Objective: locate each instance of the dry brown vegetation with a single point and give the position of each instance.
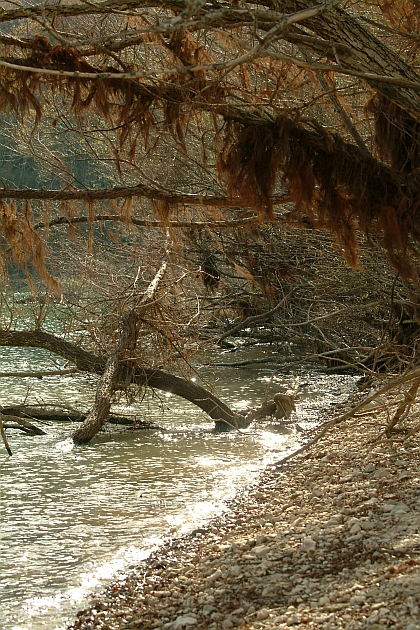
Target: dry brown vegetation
(256, 149)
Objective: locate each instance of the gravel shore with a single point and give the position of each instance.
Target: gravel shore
(328, 539)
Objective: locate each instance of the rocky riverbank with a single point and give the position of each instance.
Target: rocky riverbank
(329, 539)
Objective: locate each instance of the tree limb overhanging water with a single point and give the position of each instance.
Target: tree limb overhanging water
(138, 375)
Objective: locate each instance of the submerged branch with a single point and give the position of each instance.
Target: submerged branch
(39, 374)
(17, 422)
(4, 437)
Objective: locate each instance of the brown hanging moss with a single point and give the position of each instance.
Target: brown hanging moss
(26, 246)
(250, 161)
(162, 210)
(339, 186)
(210, 273)
(190, 88)
(397, 134)
(125, 103)
(126, 210)
(403, 14)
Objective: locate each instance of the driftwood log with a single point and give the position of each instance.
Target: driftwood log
(19, 417)
(280, 407)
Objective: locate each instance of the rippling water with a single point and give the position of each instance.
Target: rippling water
(73, 517)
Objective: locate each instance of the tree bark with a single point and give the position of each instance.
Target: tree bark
(10, 420)
(347, 42)
(118, 366)
(4, 437)
(225, 418)
(89, 362)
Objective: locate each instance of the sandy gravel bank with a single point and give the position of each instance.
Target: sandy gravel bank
(330, 539)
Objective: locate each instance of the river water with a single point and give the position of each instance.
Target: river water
(72, 518)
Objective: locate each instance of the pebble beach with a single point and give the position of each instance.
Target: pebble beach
(328, 539)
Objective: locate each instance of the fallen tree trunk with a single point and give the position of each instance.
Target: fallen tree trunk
(60, 415)
(225, 418)
(89, 362)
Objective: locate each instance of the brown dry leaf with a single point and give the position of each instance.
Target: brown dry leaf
(244, 272)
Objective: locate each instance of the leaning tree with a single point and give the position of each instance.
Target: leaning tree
(179, 118)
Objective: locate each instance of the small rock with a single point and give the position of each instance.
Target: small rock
(400, 508)
(308, 545)
(372, 501)
(381, 473)
(354, 537)
(355, 529)
(280, 619)
(317, 492)
(227, 623)
(357, 600)
(262, 550)
(369, 468)
(215, 576)
(293, 620)
(262, 614)
(367, 525)
(183, 621)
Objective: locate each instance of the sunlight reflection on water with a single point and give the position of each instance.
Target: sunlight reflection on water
(72, 518)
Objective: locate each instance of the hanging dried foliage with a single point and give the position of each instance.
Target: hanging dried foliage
(403, 14)
(335, 183)
(125, 210)
(397, 134)
(162, 210)
(250, 159)
(26, 246)
(126, 103)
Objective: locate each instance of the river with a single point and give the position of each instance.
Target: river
(73, 517)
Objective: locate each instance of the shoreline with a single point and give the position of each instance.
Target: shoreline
(328, 539)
